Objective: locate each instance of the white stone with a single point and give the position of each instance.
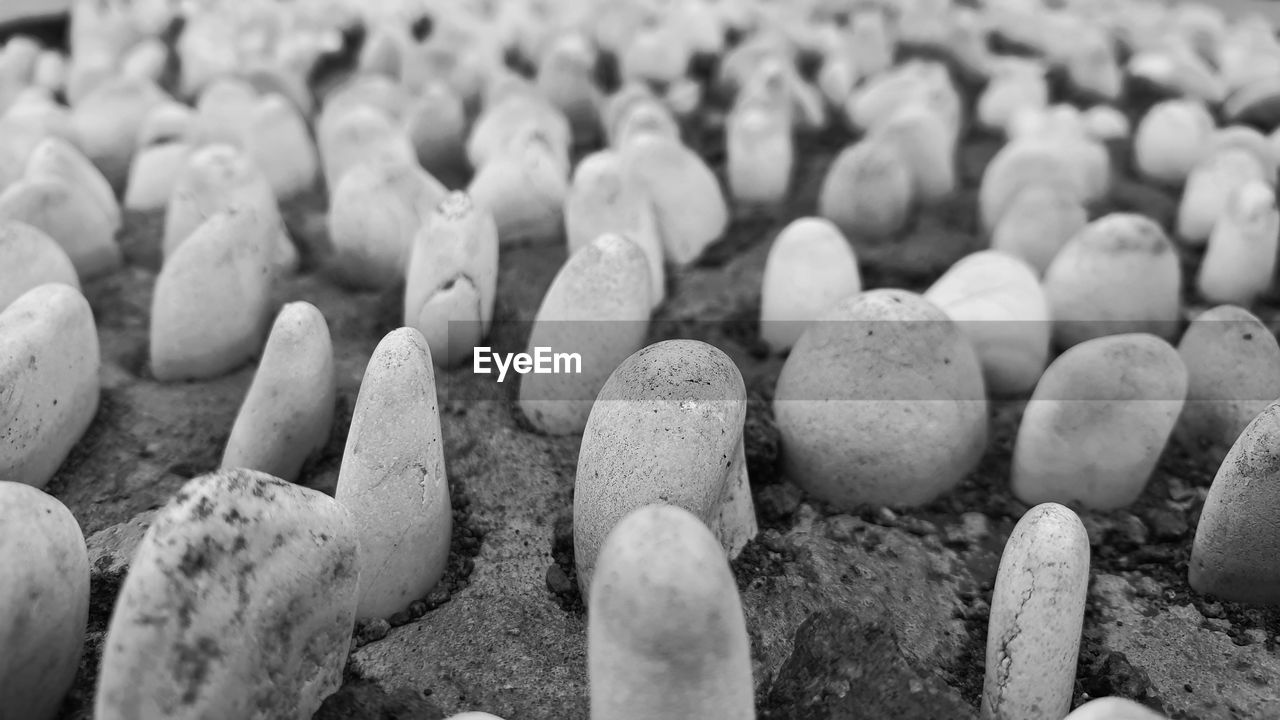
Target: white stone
(811, 266)
(690, 204)
(30, 258)
(1241, 257)
(69, 215)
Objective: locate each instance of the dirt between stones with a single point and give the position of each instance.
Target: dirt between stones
(872, 613)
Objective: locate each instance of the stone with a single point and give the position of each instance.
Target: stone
(234, 557)
(277, 139)
(524, 189)
(566, 78)
(1241, 256)
(1016, 166)
(287, 414)
(375, 91)
(881, 402)
(451, 281)
(69, 215)
(30, 258)
(374, 214)
(392, 478)
(1036, 224)
(146, 60)
(760, 155)
(505, 125)
(998, 303)
(868, 190)
(1015, 83)
(153, 174)
(628, 99)
(1171, 139)
(212, 301)
(1092, 67)
(50, 71)
(690, 204)
(44, 589)
(107, 122)
(1114, 708)
(655, 437)
(596, 308)
(604, 197)
(1037, 615)
(666, 636)
(436, 123)
(57, 159)
(1119, 274)
(927, 145)
(1209, 189)
(655, 53)
(1233, 371)
(360, 134)
(1250, 140)
(810, 268)
(916, 81)
(1117, 396)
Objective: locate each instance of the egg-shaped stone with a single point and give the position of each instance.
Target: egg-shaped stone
(811, 266)
(1037, 223)
(760, 155)
(1209, 189)
(357, 135)
(690, 204)
(436, 123)
(1016, 166)
(30, 258)
(107, 122)
(1170, 140)
(525, 192)
(277, 139)
(1241, 256)
(69, 214)
(868, 190)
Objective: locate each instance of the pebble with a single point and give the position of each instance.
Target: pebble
(597, 307)
(436, 124)
(392, 478)
(881, 402)
(1037, 614)
(1119, 274)
(1236, 553)
(1091, 64)
(1209, 190)
(690, 206)
(1098, 421)
(49, 362)
(69, 215)
(370, 90)
(374, 214)
(1241, 256)
(154, 173)
(1015, 167)
(44, 590)
(1171, 139)
(760, 153)
(57, 159)
(235, 557)
(666, 635)
(636, 100)
(30, 258)
(1233, 369)
(1015, 83)
(524, 188)
(212, 302)
(667, 427)
(502, 128)
(868, 190)
(452, 279)
(356, 135)
(1114, 708)
(287, 414)
(878, 99)
(927, 144)
(277, 139)
(107, 122)
(566, 78)
(810, 267)
(1037, 223)
(998, 303)
(223, 111)
(1250, 140)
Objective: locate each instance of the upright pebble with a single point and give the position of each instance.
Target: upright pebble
(1241, 257)
(55, 158)
(524, 189)
(868, 190)
(566, 78)
(1098, 421)
(1016, 83)
(1171, 139)
(810, 267)
(153, 173)
(667, 427)
(107, 122)
(223, 111)
(1037, 222)
(927, 145)
(44, 590)
(436, 123)
(504, 124)
(234, 557)
(361, 134)
(392, 478)
(691, 208)
(30, 258)
(1037, 616)
(287, 414)
(1017, 165)
(760, 154)
(68, 214)
(598, 308)
(277, 139)
(1114, 708)
(881, 402)
(1209, 189)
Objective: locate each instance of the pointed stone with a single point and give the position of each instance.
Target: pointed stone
(107, 122)
(1171, 139)
(451, 281)
(436, 123)
(211, 305)
(49, 363)
(927, 146)
(881, 402)
(690, 205)
(55, 158)
(358, 135)
(1241, 258)
(30, 258)
(524, 189)
(1119, 396)
(44, 588)
(1209, 189)
(504, 125)
(392, 479)
(1092, 67)
(288, 412)
(69, 215)
(810, 268)
(666, 636)
(655, 437)
(277, 139)
(153, 174)
(868, 190)
(168, 122)
(598, 308)
(234, 557)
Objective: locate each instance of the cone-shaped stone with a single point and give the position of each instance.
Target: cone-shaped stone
(1097, 422)
(760, 155)
(235, 557)
(358, 135)
(211, 305)
(868, 190)
(392, 479)
(277, 139)
(597, 307)
(690, 205)
(30, 258)
(55, 158)
(881, 402)
(1036, 224)
(374, 213)
(288, 412)
(1017, 83)
(666, 635)
(153, 174)
(436, 123)
(1016, 166)
(810, 268)
(1236, 554)
(1037, 614)
(1119, 274)
(666, 428)
(107, 123)
(69, 215)
(44, 589)
(451, 281)
(927, 145)
(1209, 189)
(1241, 257)
(525, 190)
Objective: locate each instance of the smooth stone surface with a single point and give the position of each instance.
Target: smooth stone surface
(760, 155)
(868, 190)
(655, 437)
(360, 134)
(881, 402)
(436, 123)
(44, 589)
(287, 414)
(107, 122)
(55, 158)
(1236, 554)
(810, 267)
(1233, 370)
(49, 362)
(1119, 274)
(1114, 708)
(153, 174)
(1037, 223)
(927, 146)
(524, 189)
(1037, 614)
(1016, 166)
(1016, 83)
(497, 132)
(69, 215)
(690, 205)
(1098, 421)
(1209, 189)
(30, 258)
(235, 558)
(277, 139)
(1241, 257)
(211, 305)
(666, 635)
(597, 307)
(392, 479)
